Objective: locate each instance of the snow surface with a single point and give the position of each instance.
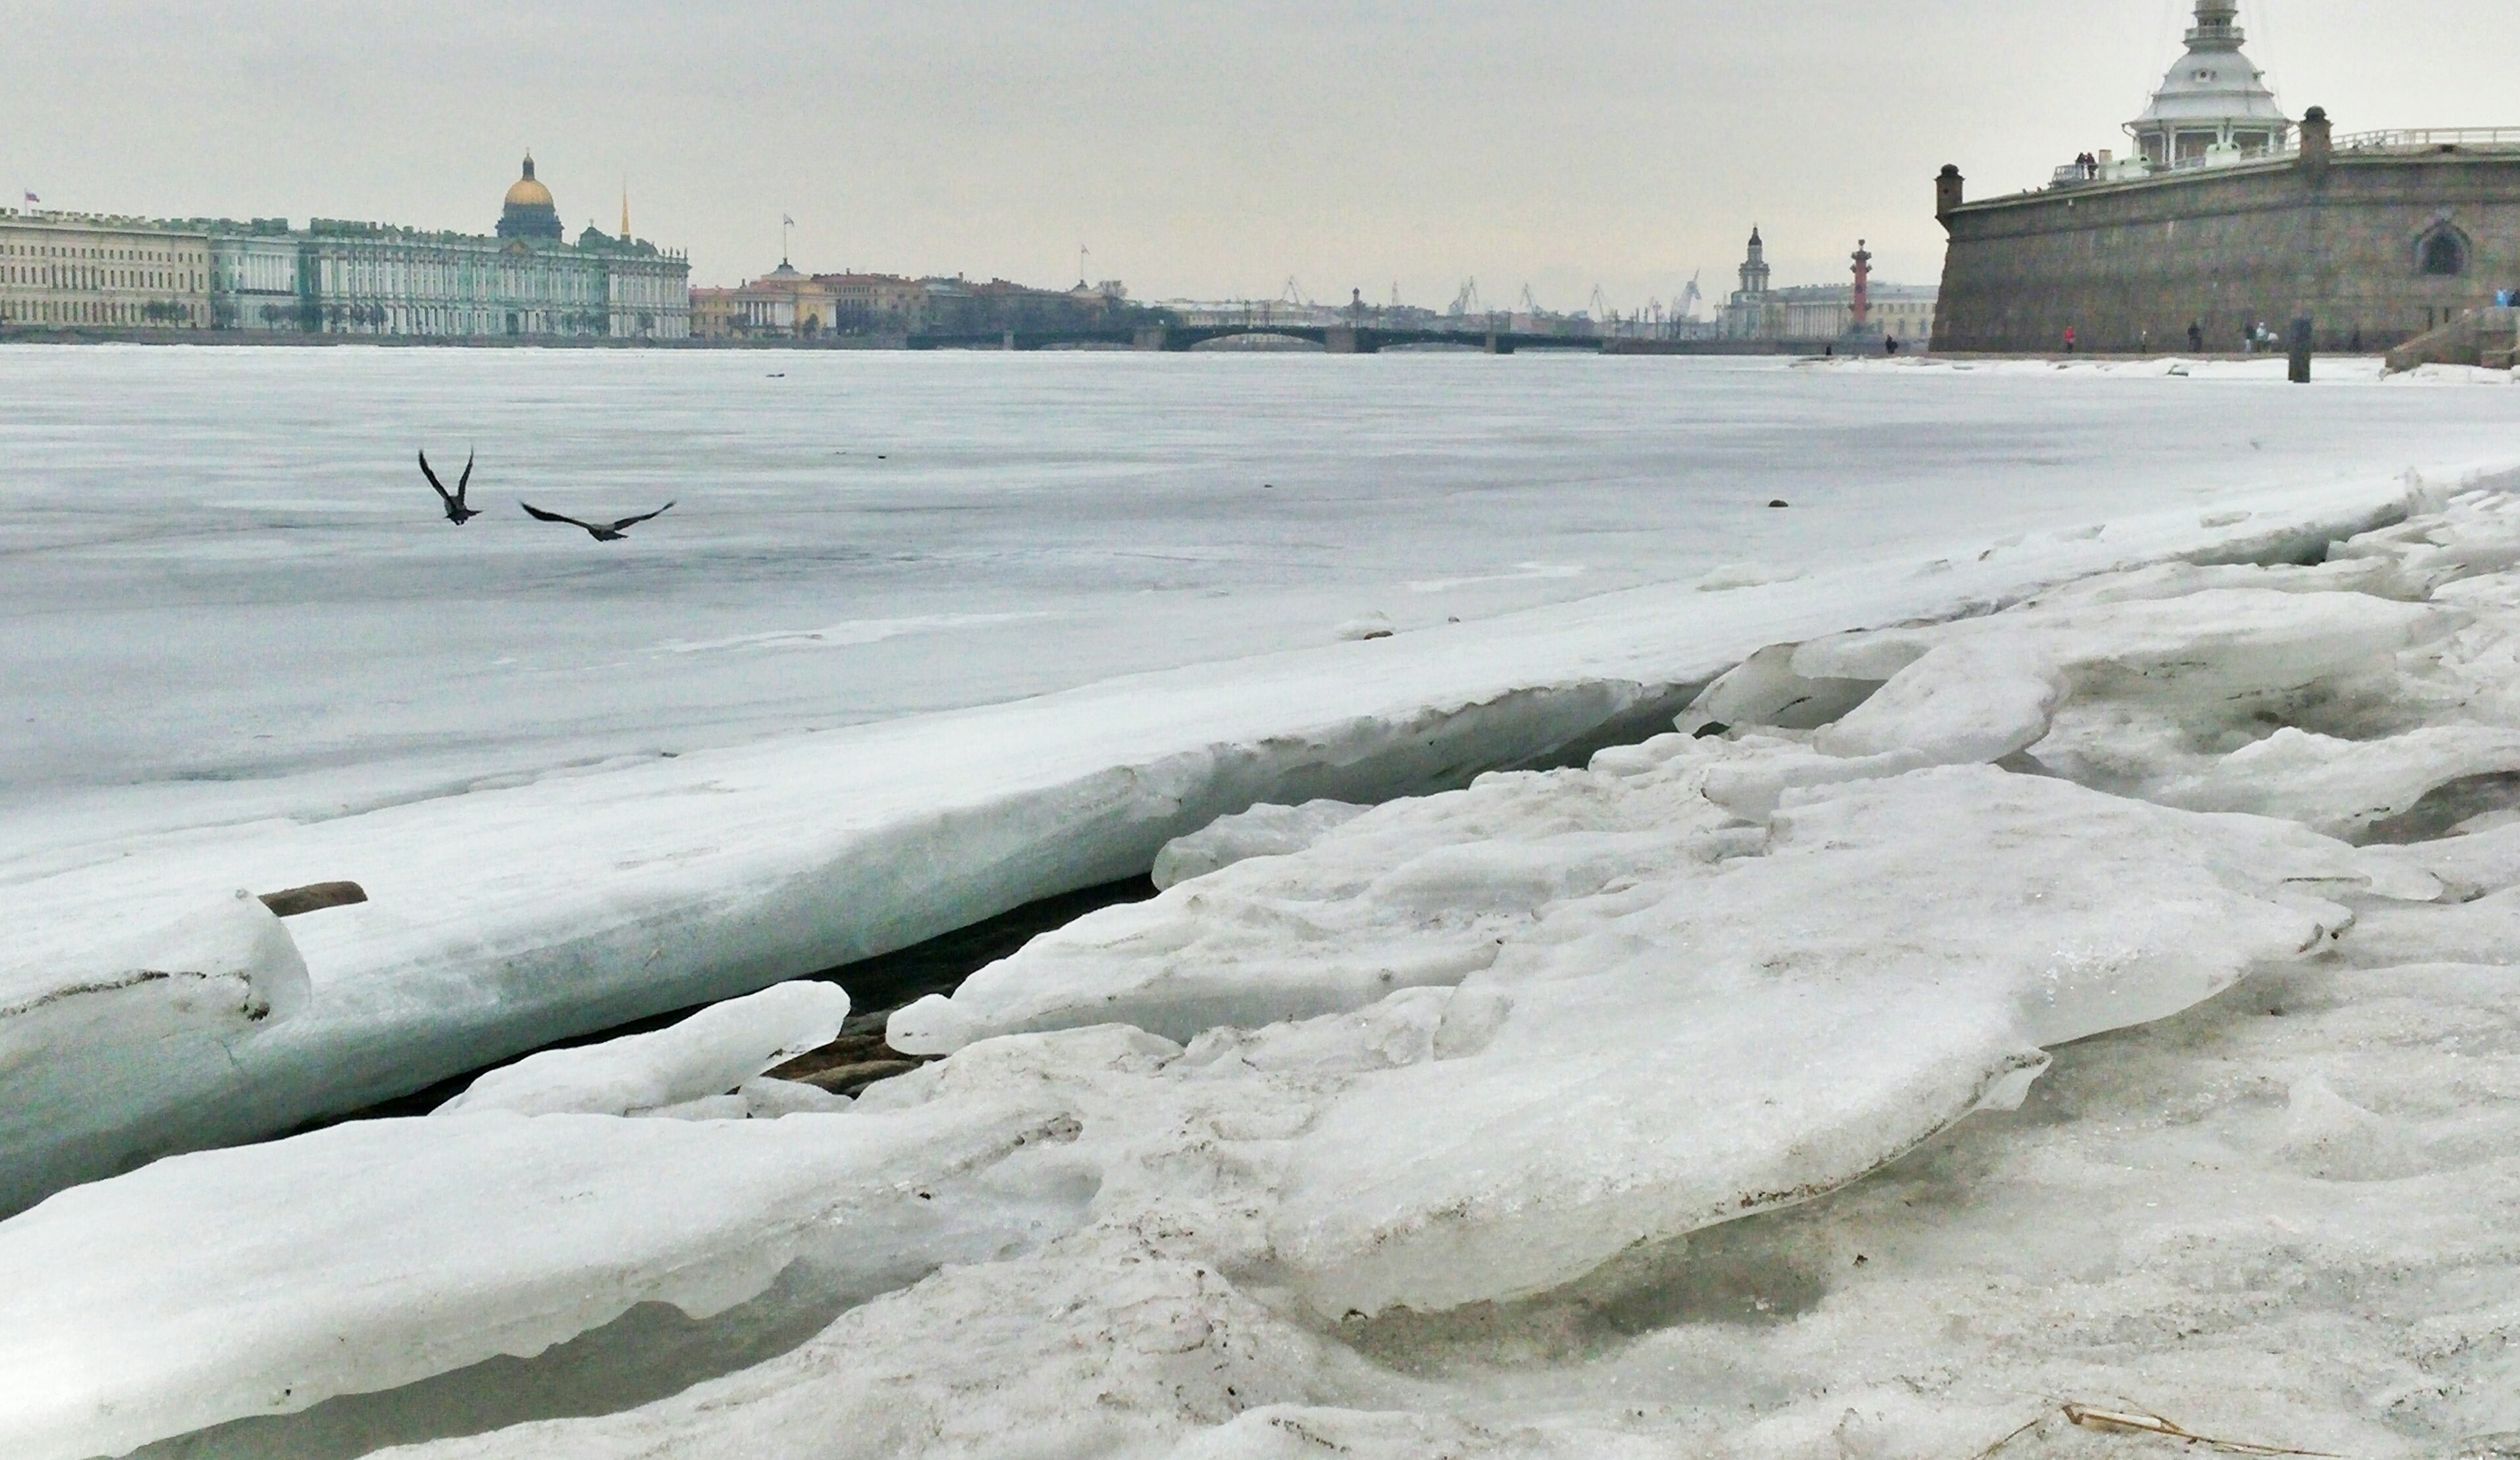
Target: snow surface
(586, 785)
(1813, 1088)
(1565, 1114)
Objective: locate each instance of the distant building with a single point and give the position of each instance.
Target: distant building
(788, 303)
(873, 304)
(339, 278)
(1819, 314)
(254, 278)
(784, 303)
(716, 313)
(71, 272)
(1745, 313)
(525, 282)
(958, 307)
(2230, 215)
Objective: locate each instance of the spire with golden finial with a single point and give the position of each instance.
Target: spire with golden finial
(625, 210)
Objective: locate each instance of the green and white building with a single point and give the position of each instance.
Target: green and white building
(524, 281)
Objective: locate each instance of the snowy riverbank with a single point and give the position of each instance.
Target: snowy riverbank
(2073, 971)
(2110, 1002)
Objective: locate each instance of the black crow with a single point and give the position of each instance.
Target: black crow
(456, 511)
(611, 532)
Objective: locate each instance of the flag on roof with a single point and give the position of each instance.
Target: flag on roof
(785, 219)
(31, 197)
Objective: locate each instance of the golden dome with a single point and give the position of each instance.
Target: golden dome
(525, 192)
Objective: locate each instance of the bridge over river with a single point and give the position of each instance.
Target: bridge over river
(1338, 339)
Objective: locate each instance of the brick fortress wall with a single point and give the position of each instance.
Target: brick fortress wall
(2344, 238)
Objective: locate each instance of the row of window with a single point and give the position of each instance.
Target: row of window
(86, 277)
(447, 323)
(123, 255)
(446, 281)
(95, 312)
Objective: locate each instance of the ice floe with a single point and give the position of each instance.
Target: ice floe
(1260, 831)
(136, 1019)
(701, 1058)
(178, 1296)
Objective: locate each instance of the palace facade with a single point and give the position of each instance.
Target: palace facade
(73, 273)
(522, 281)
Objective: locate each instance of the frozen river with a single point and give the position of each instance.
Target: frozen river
(928, 638)
(2076, 970)
(222, 566)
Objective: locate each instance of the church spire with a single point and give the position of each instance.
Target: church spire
(625, 210)
(1754, 269)
(2217, 27)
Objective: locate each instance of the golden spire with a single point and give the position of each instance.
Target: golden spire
(625, 210)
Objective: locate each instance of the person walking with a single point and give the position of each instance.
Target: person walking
(2196, 337)
(2069, 340)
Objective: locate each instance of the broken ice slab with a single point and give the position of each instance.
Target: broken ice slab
(156, 1016)
(265, 1279)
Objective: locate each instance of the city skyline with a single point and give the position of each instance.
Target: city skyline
(1197, 154)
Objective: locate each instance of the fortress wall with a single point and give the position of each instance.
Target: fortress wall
(2129, 265)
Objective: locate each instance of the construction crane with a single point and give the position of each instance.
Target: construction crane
(1466, 302)
(1689, 298)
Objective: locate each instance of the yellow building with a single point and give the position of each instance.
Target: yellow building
(787, 303)
(873, 304)
(70, 271)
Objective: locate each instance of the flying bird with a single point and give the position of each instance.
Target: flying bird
(456, 511)
(611, 532)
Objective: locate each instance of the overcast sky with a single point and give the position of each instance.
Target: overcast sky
(1198, 149)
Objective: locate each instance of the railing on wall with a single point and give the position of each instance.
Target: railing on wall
(2209, 160)
(2429, 138)
(2402, 140)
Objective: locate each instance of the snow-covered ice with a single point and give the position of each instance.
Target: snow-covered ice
(2071, 973)
(1260, 831)
(175, 1298)
(703, 1057)
(140, 1017)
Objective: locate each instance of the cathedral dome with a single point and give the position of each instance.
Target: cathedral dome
(528, 212)
(525, 192)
